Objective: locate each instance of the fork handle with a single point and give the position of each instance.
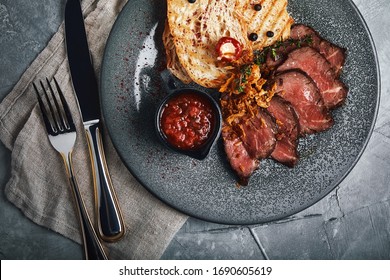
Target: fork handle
(93, 248)
(109, 217)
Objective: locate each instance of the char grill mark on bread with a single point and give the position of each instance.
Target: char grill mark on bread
(287, 121)
(307, 59)
(273, 17)
(298, 89)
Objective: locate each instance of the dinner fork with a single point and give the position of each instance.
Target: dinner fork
(62, 136)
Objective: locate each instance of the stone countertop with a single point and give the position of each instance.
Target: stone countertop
(352, 222)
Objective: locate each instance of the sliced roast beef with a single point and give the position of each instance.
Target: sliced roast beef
(242, 164)
(275, 57)
(303, 36)
(334, 54)
(307, 59)
(298, 89)
(257, 134)
(284, 114)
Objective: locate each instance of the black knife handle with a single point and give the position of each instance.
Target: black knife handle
(109, 216)
(93, 249)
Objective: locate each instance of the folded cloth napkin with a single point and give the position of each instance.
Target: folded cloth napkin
(38, 184)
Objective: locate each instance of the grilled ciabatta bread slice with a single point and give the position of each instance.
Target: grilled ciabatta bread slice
(196, 28)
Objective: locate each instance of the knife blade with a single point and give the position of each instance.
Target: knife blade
(109, 216)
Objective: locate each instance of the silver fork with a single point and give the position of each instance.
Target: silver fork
(62, 136)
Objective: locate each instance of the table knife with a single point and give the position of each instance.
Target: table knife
(109, 217)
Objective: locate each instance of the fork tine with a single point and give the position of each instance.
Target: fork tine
(50, 126)
(61, 102)
(53, 113)
(68, 116)
(55, 110)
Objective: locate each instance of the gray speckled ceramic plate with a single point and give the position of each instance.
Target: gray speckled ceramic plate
(131, 88)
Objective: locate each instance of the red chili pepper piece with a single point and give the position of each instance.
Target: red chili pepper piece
(228, 49)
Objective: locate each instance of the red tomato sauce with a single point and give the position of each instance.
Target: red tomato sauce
(187, 120)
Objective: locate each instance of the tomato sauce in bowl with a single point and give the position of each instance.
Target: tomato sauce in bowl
(189, 122)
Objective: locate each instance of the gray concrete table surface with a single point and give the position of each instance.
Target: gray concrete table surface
(352, 222)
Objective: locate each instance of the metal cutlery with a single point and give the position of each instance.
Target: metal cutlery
(109, 218)
(61, 132)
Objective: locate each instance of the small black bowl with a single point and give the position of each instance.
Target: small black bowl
(202, 151)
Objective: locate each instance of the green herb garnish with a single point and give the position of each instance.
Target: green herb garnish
(246, 71)
(260, 57)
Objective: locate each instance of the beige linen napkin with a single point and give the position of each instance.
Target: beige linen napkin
(38, 185)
